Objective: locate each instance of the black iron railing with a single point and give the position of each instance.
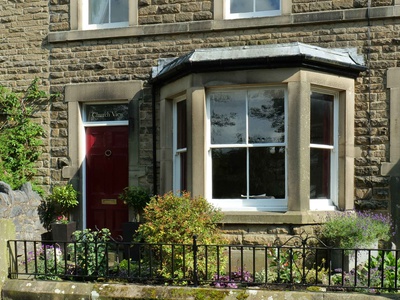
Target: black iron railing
(300, 262)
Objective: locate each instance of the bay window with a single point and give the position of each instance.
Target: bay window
(253, 137)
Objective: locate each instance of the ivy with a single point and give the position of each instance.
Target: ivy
(20, 136)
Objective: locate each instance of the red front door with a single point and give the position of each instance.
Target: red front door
(106, 177)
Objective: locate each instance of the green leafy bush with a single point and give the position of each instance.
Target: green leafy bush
(20, 136)
(172, 219)
(89, 252)
(356, 229)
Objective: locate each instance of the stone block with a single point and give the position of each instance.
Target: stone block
(258, 239)
(7, 229)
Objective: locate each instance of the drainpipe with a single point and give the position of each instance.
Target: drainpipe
(154, 131)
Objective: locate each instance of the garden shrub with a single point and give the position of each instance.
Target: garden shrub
(175, 219)
(350, 230)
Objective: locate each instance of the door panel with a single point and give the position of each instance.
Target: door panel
(106, 177)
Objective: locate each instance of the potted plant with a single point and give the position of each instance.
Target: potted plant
(354, 230)
(136, 198)
(46, 212)
(64, 199)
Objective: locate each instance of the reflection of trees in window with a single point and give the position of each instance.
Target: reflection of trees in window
(228, 117)
(223, 120)
(272, 111)
(266, 116)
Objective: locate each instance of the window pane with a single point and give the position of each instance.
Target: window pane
(266, 116)
(228, 117)
(263, 5)
(241, 6)
(98, 11)
(321, 119)
(267, 172)
(181, 124)
(119, 11)
(320, 173)
(183, 171)
(228, 173)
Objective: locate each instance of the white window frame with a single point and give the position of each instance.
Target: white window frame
(254, 14)
(249, 204)
(332, 202)
(83, 21)
(177, 152)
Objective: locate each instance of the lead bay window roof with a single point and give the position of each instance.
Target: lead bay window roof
(338, 62)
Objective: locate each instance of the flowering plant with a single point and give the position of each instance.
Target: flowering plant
(46, 262)
(62, 220)
(351, 230)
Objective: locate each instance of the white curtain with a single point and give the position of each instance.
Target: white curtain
(98, 11)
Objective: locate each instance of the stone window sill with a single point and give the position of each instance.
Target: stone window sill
(274, 218)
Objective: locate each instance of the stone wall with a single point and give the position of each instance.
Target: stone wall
(21, 208)
(152, 12)
(301, 6)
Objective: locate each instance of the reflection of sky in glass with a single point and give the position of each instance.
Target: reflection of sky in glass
(266, 116)
(228, 117)
(245, 6)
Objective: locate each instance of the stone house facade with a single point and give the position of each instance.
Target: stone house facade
(171, 124)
